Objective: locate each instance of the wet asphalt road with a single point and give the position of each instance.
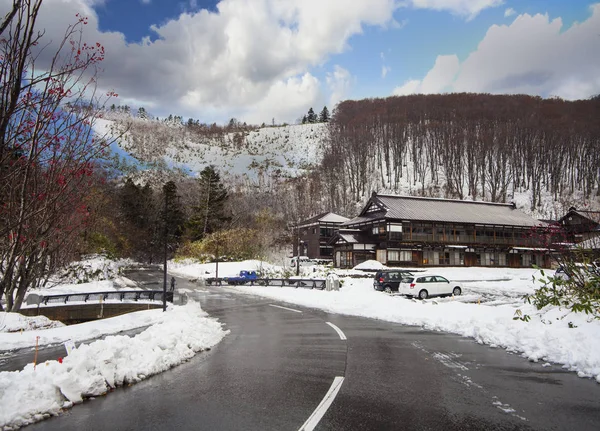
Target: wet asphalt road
(276, 366)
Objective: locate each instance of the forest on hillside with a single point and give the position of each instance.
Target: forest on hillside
(464, 146)
(543, 153)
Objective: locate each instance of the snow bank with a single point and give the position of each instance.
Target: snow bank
(32, 394)
(15, 322)
(369, 264)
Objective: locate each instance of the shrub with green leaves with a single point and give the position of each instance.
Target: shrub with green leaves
(578, 290)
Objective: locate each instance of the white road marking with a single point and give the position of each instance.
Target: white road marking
(285, 308)
(321, 409)
(338, 330)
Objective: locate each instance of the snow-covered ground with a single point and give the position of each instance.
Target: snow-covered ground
(485, 311)
(93, 369)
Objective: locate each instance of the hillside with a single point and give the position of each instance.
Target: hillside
(541, 154)
(248, 154)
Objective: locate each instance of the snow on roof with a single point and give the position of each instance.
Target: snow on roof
(327, 217)
(333, 218)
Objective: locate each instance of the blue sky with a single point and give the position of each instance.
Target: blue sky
(261, 59)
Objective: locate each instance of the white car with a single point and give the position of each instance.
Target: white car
(425, 285)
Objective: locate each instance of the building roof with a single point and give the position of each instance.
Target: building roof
(592, 216)
(411, 208)
(349, 236)
(326, 217)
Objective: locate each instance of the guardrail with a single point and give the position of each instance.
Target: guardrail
(307, 283)
(122, 295)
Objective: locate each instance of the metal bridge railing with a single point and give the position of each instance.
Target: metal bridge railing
(307, 283)
(123, 295)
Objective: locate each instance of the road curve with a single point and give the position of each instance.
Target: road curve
(282, 362)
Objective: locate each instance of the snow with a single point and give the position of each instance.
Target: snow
(333, 218)
(485, 311)
(369, 265)
(90, 370)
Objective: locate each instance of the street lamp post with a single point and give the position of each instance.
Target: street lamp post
(300, 246)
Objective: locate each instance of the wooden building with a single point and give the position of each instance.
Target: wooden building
(314, 234)
(415, 231)
(580, 225)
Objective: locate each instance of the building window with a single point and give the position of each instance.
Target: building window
(445, 258)
(326, 251)
(431, 257)
(502, 259)
(346, 259)
(393, 255)
(326, 232)
(406, 256)
(457, 258)
(395, 232)
(314, 230)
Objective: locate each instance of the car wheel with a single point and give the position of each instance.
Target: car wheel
(423, 294)
(456, 291)
(387, 289)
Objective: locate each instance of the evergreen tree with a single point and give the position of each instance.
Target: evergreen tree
(311, 117)
(142, 113)
(324, 115)
(172, 212)
(210, 214)
(304, 120)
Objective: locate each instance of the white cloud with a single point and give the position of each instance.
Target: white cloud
(437, 80)
(533, 55)
(340, 82)
(285, 100)
(466, 8)
(145, 1)
(385, 70)
(509, 12)
(233, 59)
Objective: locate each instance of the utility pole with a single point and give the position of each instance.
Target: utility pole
(166, 235)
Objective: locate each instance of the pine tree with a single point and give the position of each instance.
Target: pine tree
(172, 212)
(324, 115)
(311, 117)
(210, 214)
(142, 113)
(304, 120)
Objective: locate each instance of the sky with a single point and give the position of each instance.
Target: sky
(92, 369)
(265, 60)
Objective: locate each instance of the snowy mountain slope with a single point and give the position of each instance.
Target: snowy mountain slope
(284, 151)
(262, 156)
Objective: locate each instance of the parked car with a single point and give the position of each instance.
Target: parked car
(580, 270)
(243, 277)
(424, 286)
(388, 280)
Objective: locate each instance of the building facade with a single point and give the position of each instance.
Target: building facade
(580, 225)
(415, 231)
(314, 234)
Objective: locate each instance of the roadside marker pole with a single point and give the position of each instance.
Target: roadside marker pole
(36, 352)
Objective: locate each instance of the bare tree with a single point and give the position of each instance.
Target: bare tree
(48, 148)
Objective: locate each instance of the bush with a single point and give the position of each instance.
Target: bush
(578, 292)
(228, 245)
